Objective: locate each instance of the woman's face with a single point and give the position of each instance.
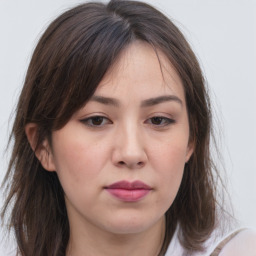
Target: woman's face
(120, 158)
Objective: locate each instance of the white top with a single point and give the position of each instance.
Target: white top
(243, 244)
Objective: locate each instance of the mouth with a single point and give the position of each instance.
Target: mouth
(128, 191)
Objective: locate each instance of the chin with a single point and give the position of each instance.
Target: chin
(131, 224)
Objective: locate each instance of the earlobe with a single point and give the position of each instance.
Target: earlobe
(43, 151)
(190, 150)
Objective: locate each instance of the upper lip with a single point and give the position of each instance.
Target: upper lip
(129, 185)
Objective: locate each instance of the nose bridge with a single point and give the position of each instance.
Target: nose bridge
(130, 148)
(131, 137)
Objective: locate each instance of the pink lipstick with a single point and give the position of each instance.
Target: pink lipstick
(128, 191)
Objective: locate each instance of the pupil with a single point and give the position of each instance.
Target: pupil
(156, 120)
(97, 120)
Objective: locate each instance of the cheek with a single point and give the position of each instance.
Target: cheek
(171, 166)
(78, 161)
(169, 157)
(168, 162)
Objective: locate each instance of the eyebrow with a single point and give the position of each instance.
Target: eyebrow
(145, 103)
(161, 99)
(106, 100)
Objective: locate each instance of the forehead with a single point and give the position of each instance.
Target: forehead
(141, 72)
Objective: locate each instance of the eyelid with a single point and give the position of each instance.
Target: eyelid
(164, 122)
(167, 121)
(86, 121)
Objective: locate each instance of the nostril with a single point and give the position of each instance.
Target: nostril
(139, 164)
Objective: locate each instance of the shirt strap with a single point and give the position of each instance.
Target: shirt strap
(220, 246)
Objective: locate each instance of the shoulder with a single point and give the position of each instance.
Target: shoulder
(244, 243)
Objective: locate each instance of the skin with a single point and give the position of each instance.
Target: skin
(128, 143)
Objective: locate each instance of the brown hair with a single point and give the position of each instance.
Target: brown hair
(70, 60)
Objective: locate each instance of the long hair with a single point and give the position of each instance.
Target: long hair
(69, 61)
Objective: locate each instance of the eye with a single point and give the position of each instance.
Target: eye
(96, 121)
(160, 121)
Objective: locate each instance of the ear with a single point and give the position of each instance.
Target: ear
(190, 150)
(43, 151)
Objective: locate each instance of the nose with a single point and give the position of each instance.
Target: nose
(129, 150)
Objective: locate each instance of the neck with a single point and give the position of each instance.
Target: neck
(93, 242)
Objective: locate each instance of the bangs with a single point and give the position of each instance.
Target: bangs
(75, 53)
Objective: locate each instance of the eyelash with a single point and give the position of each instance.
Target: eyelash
(167, 121)
(164, 121)
(89, 121)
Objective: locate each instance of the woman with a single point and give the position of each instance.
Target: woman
(111, 141)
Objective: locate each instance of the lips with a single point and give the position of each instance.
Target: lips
(128, 191)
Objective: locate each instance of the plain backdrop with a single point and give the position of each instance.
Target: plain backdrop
(223, 35)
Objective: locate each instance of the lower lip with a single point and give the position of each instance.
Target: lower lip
(132, 195)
